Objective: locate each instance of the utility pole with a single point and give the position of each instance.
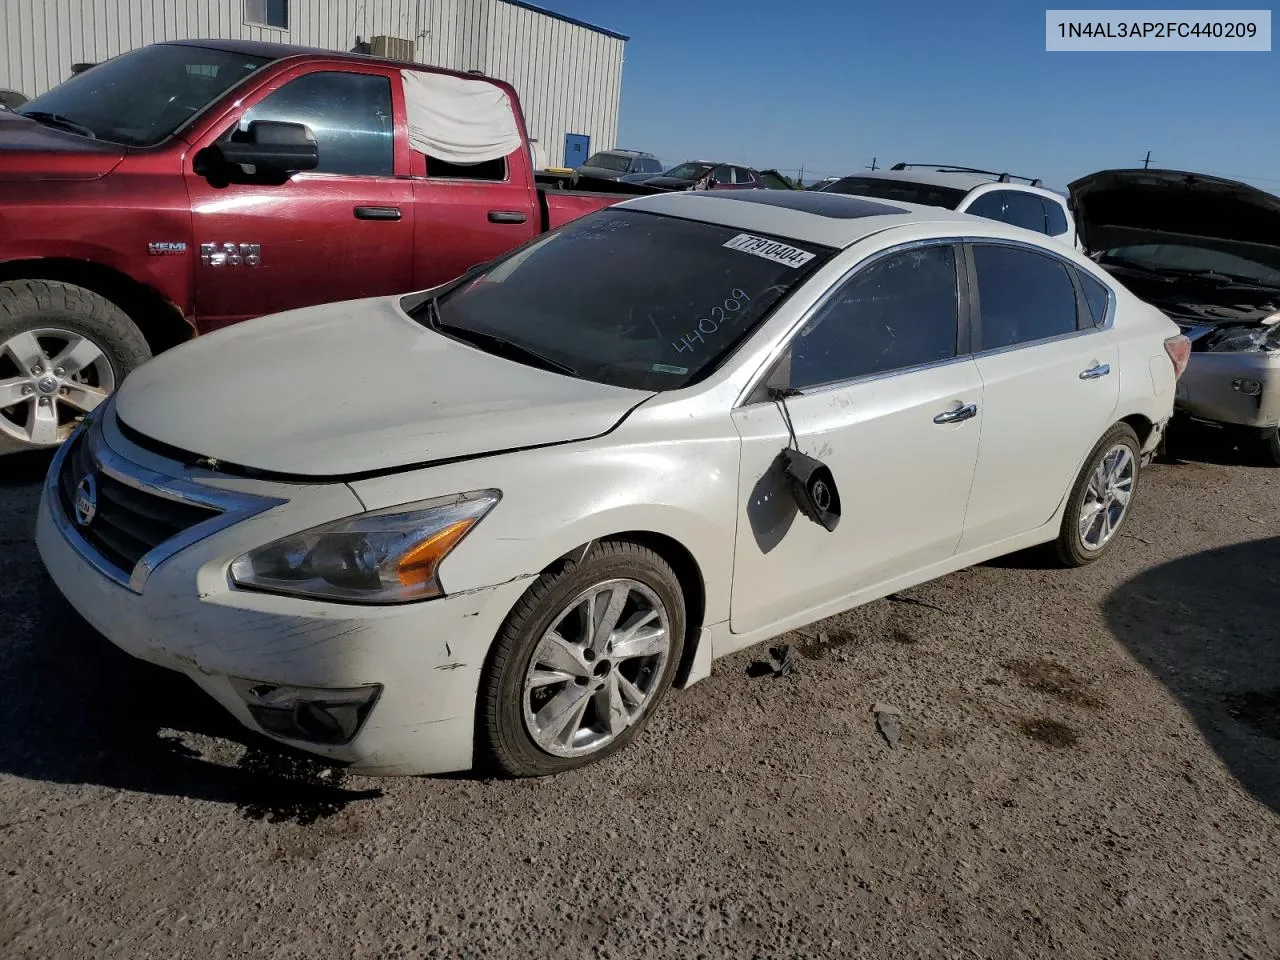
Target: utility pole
(1147, 162)
(800, 179)
(873, 164)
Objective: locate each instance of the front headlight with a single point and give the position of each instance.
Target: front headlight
(387, 556)
(1259, 338)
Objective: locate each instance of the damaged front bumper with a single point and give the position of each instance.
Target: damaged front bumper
(1234, 389)
(387, 690)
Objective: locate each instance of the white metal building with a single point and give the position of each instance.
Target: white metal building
(568, 73)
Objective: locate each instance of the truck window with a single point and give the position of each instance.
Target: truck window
(142, 97)
(348, 113)
(487, 170)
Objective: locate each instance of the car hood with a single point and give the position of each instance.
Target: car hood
(669, 183)
(32, 151)
(350, 389)
(1115, 208)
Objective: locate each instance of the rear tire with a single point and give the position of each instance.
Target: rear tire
(63, 349)
(1101, 499)
(543, 667)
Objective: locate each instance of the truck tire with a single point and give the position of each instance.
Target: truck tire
(63, 349)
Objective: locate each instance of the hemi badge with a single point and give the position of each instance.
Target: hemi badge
(166, 249)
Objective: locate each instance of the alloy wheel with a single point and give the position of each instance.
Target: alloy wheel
(596, 670)
(1106, 497)
(48, 378)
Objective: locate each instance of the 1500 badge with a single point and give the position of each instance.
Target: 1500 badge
(231, 254)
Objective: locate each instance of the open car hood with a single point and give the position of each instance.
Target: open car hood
(350, 389)
(1116, 208)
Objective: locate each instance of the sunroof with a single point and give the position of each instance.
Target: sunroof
(835, 205)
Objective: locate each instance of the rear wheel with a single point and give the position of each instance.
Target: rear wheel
(582, 661)
(63, 349)
(1100, 498)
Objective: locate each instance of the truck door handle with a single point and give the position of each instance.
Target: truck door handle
(507, 216)
(966, 412)
(1096, 371)
(377, 213)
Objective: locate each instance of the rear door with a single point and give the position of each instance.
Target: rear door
(340, 232)
(890, 402)
(1050, 387)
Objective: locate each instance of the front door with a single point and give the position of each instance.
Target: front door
(1051, 386)
(340, 232)
(577, 147)
(889, 401)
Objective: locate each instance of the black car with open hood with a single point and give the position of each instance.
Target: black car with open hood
(1206, 251)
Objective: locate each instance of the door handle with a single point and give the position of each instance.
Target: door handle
(377, 213)
(507, 216)
(966, 412)
(1096, 371)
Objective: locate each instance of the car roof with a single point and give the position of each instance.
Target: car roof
(282, 51)
(830, 219)
(624, 151)
(959, 180)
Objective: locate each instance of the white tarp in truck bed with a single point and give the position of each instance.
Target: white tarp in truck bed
(458, 120)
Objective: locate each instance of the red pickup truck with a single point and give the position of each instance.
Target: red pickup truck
(185, 186)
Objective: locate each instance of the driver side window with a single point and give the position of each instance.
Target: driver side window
(900, 311)
(349, 114)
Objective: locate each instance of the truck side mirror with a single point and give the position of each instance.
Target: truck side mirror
(272, 146)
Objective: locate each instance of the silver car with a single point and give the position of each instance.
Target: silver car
(1205, 251)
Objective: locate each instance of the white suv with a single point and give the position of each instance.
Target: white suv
(983, 193)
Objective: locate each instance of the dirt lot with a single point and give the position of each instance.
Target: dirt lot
(1089, 767)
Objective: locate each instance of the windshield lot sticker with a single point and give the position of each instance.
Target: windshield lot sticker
(721, 315)
(770, 249)
(668, 368)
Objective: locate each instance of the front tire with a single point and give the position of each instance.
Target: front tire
(63, 349)
(1267, 451)
(1100, 499)
(582, 662)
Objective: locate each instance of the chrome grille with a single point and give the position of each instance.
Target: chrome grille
(129, 522)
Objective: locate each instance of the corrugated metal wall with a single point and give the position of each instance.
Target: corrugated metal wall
(569, 77)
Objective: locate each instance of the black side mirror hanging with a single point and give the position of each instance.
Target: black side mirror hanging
(809, 481)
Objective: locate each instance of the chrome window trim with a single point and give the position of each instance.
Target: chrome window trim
(232, 507)
(1109, 315)
(784, 342)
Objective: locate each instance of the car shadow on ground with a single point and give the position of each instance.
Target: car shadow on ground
(1206, 627)
(77, 710)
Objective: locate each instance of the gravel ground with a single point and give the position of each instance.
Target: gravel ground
(1089, 766)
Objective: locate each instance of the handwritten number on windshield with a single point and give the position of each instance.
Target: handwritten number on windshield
(719, 316)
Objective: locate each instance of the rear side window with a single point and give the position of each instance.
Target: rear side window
(1023, 296)
(722, 175)
(1055, 218)
(1095, 296)
(883, 188)
(349, 114)
(643, 165)
(742, 176)
(1024, 210)
(899, 311)
(609, 161)
(989, 205)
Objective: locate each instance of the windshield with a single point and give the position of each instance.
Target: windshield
(625, 298)
(1181, 258)
(609, 161)
(902, 190)
(141, 97)
(689, 171)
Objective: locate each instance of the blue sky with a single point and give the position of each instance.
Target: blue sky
(830, 85)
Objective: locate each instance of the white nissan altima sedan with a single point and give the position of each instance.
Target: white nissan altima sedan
(493, 523)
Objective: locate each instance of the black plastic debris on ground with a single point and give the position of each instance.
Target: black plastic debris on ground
(781, 663)
(887, 722)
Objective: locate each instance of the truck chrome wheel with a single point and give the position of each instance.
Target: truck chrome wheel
(48, 378)
(1106, 497)
(596, 670)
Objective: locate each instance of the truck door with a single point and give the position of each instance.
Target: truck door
(340, 232)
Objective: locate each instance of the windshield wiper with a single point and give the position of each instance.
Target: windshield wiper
(58, 120)
(495, 343)
(1171, 274)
